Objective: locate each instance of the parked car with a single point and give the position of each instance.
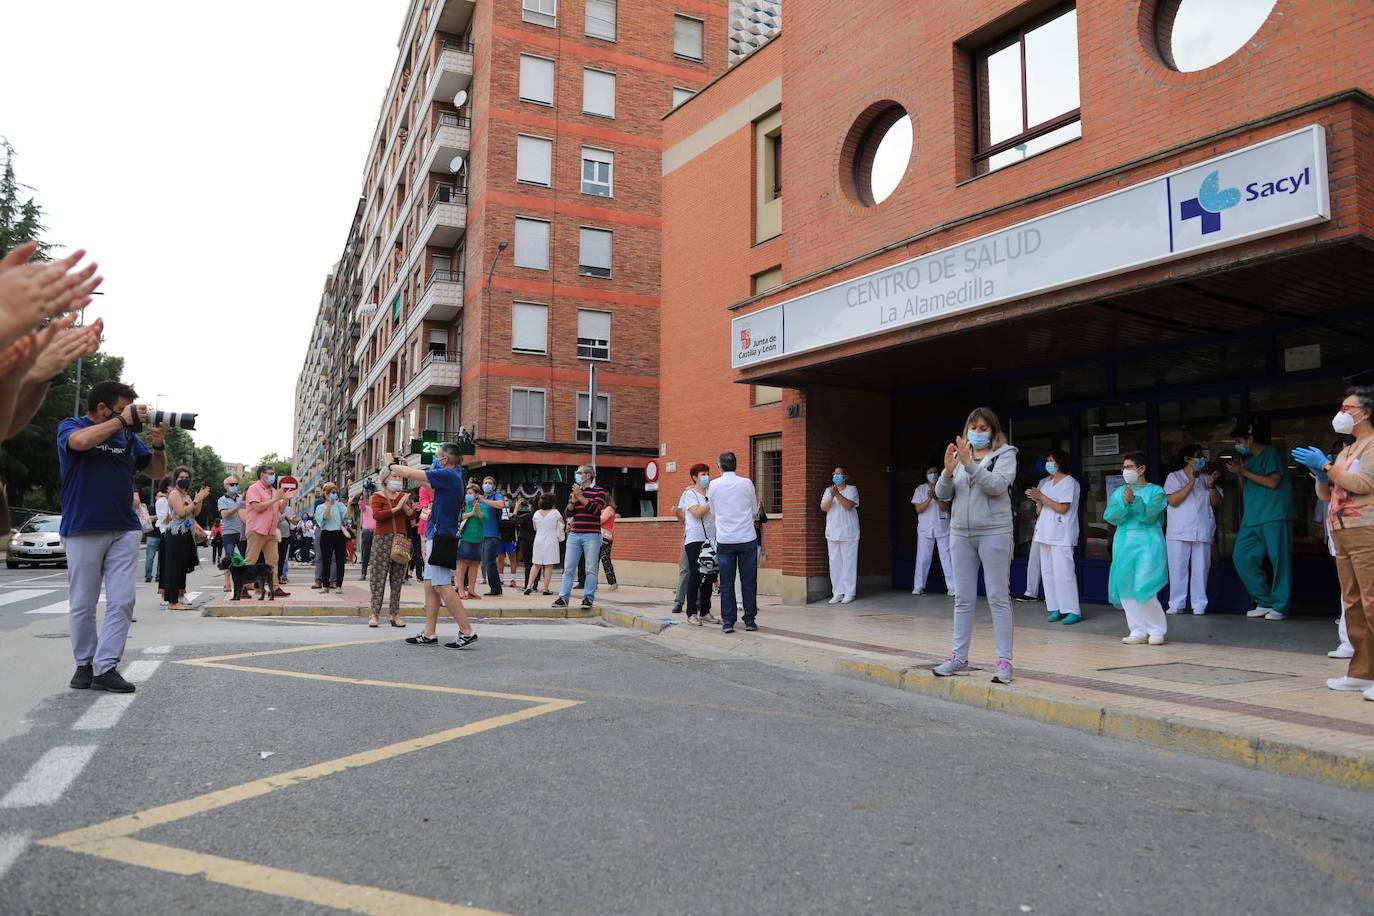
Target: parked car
(37, 542)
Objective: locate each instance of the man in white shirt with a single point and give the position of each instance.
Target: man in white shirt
(734, 505)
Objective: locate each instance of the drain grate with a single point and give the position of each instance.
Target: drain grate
(1202, 675)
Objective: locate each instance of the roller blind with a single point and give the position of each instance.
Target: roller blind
(601, 19)
(598, 92)
(595, 250)
(530, 327)
(687, 37)
(536, 79)
(532, 243)
(534, 159)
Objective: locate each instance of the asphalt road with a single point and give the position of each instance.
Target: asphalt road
(676, 784)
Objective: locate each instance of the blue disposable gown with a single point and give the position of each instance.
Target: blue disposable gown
(1140, 566)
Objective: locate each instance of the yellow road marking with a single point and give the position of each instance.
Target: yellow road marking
(111, 839)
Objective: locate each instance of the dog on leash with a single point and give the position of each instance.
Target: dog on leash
(246, 577)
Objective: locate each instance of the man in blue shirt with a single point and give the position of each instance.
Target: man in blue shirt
(491, 534)
(445, 478)
(97, 455)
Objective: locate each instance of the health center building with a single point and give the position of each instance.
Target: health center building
(1123, 226)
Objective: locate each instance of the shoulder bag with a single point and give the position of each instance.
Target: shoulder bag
(400, 549)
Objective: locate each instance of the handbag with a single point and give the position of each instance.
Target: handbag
(444, 552)
(706, 561)
(145, 520)
(400, 550)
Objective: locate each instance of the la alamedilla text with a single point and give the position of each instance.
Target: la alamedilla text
(973, 290)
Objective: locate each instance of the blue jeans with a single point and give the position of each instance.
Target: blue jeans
(745, 557)
(150, 549)
(232, 541)
(580, 545)
(490, 548)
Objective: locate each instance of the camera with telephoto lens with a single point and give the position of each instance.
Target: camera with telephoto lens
(170, 418)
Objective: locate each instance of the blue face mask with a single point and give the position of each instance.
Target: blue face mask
(1051, 467)
(469, 500)
(704, 479)
(837, 479)
(488, 488)
(1242, 448)
(577, 479)
(331, 496)
(1199, 464)
(271, 479)
(979, 440)
(931, 478)
(233, 489)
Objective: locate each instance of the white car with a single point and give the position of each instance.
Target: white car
(37, 542)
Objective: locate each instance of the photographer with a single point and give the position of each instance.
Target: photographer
(98, 455)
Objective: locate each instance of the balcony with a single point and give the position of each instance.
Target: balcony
(443, 295)
(452, 137)
(448, 218)
(452, 72)
(439, 374)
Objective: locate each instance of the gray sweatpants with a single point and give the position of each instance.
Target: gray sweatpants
(91, 557)
(993, 553)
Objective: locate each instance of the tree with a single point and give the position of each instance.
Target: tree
(280, 466)
(20, 220)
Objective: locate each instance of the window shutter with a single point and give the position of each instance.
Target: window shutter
(687, 37)
(536, 79)
(601, 19)
(532, 243)
(595, 249)
(593, 325)
(530, 327)
(598, 92)
(534, 159)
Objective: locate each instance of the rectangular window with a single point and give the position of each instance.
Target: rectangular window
(531, 243)
(529, 328)
(601, 19)
(593, 334)
(434, 418)
(1026, 86)
(527, 413)
(766, 394)
(681, 95)
(598, 92)
(773, 150)
(438, 341)
(603, 418)
(687, 34)
(534, 160)
(536, 79)
(766, 468)
(594, 253)
(598, 172)
(541, 12)
(768, 279)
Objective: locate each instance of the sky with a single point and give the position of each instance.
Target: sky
(209, 157)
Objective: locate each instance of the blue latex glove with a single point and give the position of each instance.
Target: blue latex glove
(1313, 459)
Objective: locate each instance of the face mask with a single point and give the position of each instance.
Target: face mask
(1051, 467)
(271, 479)
(704, 479)
(184, 483)
(233, 488)
(1130, 475)
(487, 488)
(577, 479)
(394, 486)
(931, 478)
(331, 496)
(979, 440)
(471, 500)
(837, 479)
(1242, 448)
(1343, 423)
(1199, 464)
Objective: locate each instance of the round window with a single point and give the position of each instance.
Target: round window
(877, 153)
(1197, 34)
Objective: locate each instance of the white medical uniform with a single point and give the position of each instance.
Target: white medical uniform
(842, 539)
(932, 532)
(1189, 530)
(1056, 535)
(1033, 562)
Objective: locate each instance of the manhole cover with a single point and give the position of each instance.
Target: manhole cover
(1203, 675)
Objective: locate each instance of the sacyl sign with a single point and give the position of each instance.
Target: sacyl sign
(1261, 190)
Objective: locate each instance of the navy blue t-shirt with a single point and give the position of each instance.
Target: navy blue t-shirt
(97, 484)
(447, 484)
(491, 525)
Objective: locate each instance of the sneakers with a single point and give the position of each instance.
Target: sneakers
(710, 618)
(1135, 639)
(588, 603)
(1173, 611)
(1156, 640)
(1369, 694)
(1260, 612)
(1199, 613)
(82, 679)
(1275, 615)
(1338, 652)
(950, 666)
(1349, 683)
(751, 626)
(728, 628)
(112, 681)
(1025, 598)
(560, 601)
(694, 620)
(847, 599)
(677, 608)
(1054, 617)
(462, 641)
(918, 591)
(1071, 619)
(951, 594)
(1003, 673)
(835, 599)
(420, 639)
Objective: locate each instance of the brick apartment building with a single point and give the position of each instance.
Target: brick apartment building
(1121, 225)
(509, 233)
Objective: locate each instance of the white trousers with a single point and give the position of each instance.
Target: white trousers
(1033, 571)
(926, 545)
(1061, 582)
(1344, 633)
(1145, 619)
(1189, 563)
(844, 566)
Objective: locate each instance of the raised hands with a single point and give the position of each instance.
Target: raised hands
(31, 292)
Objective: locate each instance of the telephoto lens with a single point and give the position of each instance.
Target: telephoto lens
(183, 420)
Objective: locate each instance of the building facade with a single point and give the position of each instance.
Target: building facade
(509, 234)
(1123, 226)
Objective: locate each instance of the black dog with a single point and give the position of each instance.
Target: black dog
(246, 577)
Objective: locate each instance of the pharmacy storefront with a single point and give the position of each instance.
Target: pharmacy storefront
(1145, 319)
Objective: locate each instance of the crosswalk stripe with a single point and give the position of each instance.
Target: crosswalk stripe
(12, 846)
(61, 607)
(189, 597)
(47, 779)
(104, 712)
(157, 650)
(141, 670)
(12, 597)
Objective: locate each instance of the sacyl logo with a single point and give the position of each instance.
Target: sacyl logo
(744, 339)
(1210, 201)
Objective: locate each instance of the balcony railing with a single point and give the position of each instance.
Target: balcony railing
(444, 275)
(439, 356)
(448, 194)
(452, 44)
(451, 119)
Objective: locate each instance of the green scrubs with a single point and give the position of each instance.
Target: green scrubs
(1140, 563)
(1266, 531)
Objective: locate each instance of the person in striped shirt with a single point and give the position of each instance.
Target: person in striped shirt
(584, 534)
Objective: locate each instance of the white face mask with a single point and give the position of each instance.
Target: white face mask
(1130, 475)
(394, 486)
(1343, 423)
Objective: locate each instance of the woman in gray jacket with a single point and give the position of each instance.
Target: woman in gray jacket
(980, 467)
